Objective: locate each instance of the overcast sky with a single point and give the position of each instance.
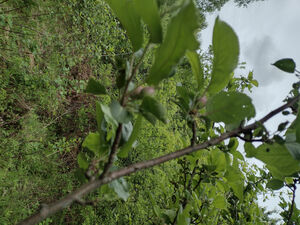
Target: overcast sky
(267, 31)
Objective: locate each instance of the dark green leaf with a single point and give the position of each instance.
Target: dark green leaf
(120, 186)
(179, 38)
(148, 116)
(230, 107)
(131, 21)
(197, 69)
(226, 55)
(279, 139)
(282, 126)
(82, 161)
(120, 114)
(287, 65)
(148, 11)
(123, 153)
(94, 87)
(275, 184)
(152, 106)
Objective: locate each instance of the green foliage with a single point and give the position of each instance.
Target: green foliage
(230, 107)
(277, 158)
(130, 19)
(287, 65)
(94, 87)
(226, 54)
(149, 13)
(196, 68)
(179, 38)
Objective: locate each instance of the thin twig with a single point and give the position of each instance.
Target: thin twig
(134, 71)
(93, 185)
(294, 188)
(250, 140)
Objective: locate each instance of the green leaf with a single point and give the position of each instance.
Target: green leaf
(236, 181)
(93, 143)
(230, 107)
(130, 19)
(275, 184)
(120, 114)
(82, 161)
(121, 188)
(94, 87)
(287, 65)
(179, 38)
(292, 145)
(148, 11)
(108, 116)
(226, 55)
(99, 118)
(218, 159)
(219, 202)
(123, 153)
(154, 108)
(183, 217)
(277, 159)
(197, 69)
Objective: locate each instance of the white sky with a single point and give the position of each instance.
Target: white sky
(267, 31)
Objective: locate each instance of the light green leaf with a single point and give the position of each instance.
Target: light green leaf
(93, 143)
(287, 65)
(121, 188)
(154, 108)
(226, 56)
(277, 159)
(148, 11)
(123, 153)
(197, 69)
(249, 149)
(120, 114)
(94, 87)
(129, 18)
(218, 159)
(275, 184)
(230, 107)
(219, 202)
(236, 181)
(179, 38)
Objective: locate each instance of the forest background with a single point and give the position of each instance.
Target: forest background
(49, 51)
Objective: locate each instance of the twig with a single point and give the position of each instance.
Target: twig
(93, 185)
(249, 140)
(294, 187)
(134, 71)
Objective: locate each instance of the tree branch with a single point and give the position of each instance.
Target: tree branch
(48, 210)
